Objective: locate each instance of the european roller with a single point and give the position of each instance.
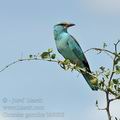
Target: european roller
(69, 48)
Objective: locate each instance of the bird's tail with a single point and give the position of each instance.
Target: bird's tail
(91, 80)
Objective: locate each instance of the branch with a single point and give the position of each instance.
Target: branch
(50, 60)
(99, 107)
(22, 60)
(116, 44)
(100, 50)
(49, 56)
(114, 60)
(108, 52)
(116, 98)
(108, 106)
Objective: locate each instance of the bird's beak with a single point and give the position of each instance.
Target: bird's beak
(70, 25)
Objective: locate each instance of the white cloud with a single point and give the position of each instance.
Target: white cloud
(103, 6)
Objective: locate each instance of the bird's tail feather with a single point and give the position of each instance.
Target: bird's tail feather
(91, 80)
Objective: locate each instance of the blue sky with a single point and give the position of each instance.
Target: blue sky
(26, 27)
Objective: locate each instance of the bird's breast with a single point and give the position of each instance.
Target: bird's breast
(67, 52)
(62, 42)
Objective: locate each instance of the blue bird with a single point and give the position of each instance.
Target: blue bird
(69, 48)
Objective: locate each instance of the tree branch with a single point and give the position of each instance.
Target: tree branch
(22, 60)
(108, 105)
(106, 88)
(116, 98)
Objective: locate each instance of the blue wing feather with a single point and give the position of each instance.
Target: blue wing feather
(73, 44)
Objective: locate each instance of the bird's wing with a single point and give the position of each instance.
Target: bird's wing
(73, 44)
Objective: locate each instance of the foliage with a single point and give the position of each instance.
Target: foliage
(108, 78)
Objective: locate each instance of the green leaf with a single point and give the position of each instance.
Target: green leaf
(118, 89)
(115, 81)
(107, 73)
(67, 61)
(53, 56)
(104, 45)
(96, 102)
(111, 84)
(117, 60)
(117, 69)
(115, 86)
(30, 56)
(50, 50)
(102, 68)
(102, 84)
(45, 55)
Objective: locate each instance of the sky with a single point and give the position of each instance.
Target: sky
(26, 27)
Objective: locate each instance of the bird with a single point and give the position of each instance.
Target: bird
(70, 49)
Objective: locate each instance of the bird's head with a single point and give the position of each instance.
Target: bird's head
(62, 26)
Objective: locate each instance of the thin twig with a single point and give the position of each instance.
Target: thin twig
(101, 108)
(108, 105)
(26, 59)
(116, 45)
(100, 49)
(113, 67)
(116, 98)
(114, 60)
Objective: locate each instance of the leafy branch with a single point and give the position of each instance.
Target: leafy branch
(108, 80)
(110, 84)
